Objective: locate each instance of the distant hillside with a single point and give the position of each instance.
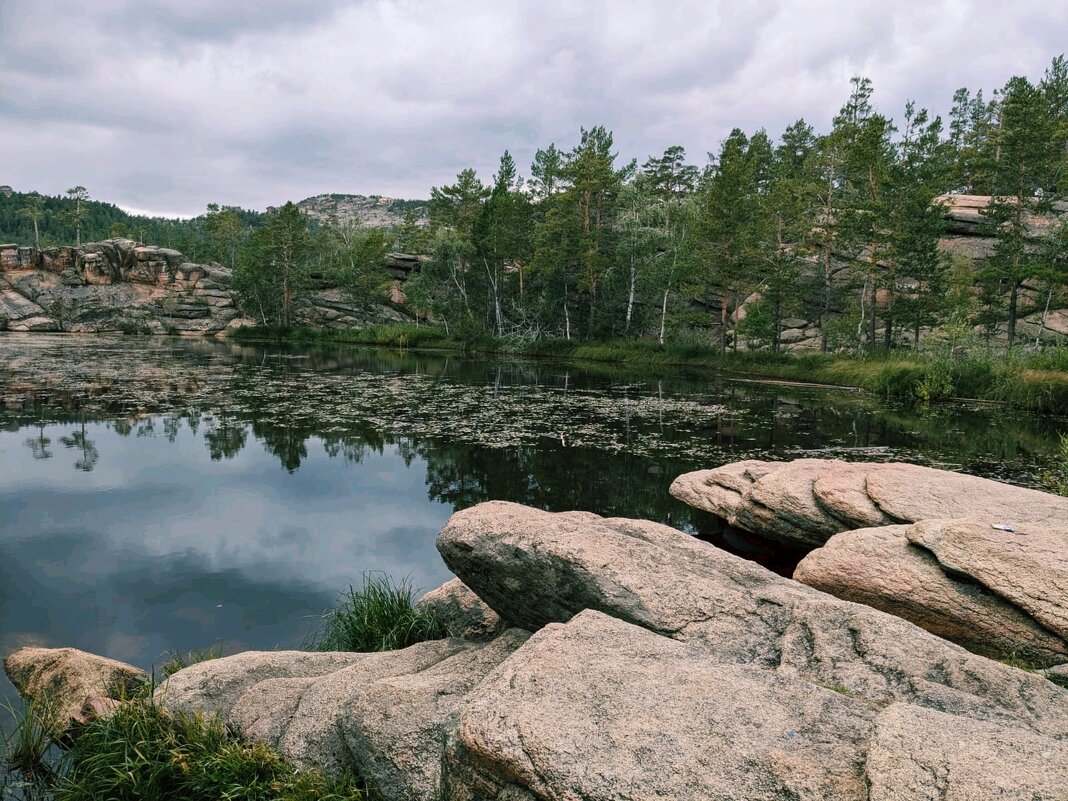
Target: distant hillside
(373, 211)
(103, 221)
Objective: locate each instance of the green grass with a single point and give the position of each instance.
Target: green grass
(142, 753)
(1037, 381)
(176, 660)
(28, 750)
(380, 616)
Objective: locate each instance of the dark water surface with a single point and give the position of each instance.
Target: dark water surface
(160, 494)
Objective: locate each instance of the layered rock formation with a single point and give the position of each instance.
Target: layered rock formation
(118, 285)
(982, 563)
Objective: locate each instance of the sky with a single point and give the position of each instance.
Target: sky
(164, 106)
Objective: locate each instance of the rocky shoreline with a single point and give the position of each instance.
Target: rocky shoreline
(120, 285)
(609, 658)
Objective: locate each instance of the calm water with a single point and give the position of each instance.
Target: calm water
(177, 494)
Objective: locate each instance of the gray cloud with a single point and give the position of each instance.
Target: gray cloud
(167, 105)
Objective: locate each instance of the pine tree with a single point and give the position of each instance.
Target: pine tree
(78, 213)
(34, 210)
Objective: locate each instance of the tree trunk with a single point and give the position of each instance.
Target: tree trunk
(1045, 313)
(723, 324)
(663, 317)
(1014, 296)
(630, 297)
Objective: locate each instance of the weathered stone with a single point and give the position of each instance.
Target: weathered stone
(600, 709)
(880, 568)
(42, 323)
(78, 686)
(118, 285)
(911, 493)
(383, 716)
(397, 728)
(809, 500)
(924, 754)
(782, 504)
(1027, 567)
(719, 491)
(463, 612)
(216, 685)
(534, 567)
(842, 491)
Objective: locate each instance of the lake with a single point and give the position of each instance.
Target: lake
(161, 494)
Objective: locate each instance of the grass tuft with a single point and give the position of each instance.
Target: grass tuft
(177, 660)
(28, 750)
(142, 753)
(380, 616)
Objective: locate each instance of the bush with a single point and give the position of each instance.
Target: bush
(378, 617)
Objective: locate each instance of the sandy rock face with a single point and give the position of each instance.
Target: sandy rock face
(83, 685)
(810, 500)
(382, 716)
(880, 567)
(461, 610)
(923, 754)
(602, 709)
(535, 567)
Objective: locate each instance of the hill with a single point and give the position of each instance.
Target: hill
(373, 211)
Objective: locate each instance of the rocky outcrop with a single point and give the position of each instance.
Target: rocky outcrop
(75, 686)
(382, 716)
(883, 568)
(535, 568)
(119, 285)
(983, 564)
(809, 500)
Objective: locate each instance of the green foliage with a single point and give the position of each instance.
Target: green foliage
(379, 616)
(142, 753)
(177, 660)
(274, 268)
(27, 750)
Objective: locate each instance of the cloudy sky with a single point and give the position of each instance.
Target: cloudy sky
(167, 105)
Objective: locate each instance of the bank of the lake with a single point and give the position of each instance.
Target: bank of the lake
(1036, 381)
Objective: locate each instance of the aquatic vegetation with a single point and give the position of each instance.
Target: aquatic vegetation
(379, 616)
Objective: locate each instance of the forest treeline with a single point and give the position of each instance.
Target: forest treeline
(839, 228)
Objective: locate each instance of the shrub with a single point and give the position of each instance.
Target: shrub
(378, 617)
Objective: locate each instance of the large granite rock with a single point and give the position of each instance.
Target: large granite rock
(918, 754)
(76, 686)
(1028, 567)
(882, 568)
(600, 709)
(534, 568)
(381, 716)
(810, 500)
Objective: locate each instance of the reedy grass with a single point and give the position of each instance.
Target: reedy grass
(379, 616)
(28, 751)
